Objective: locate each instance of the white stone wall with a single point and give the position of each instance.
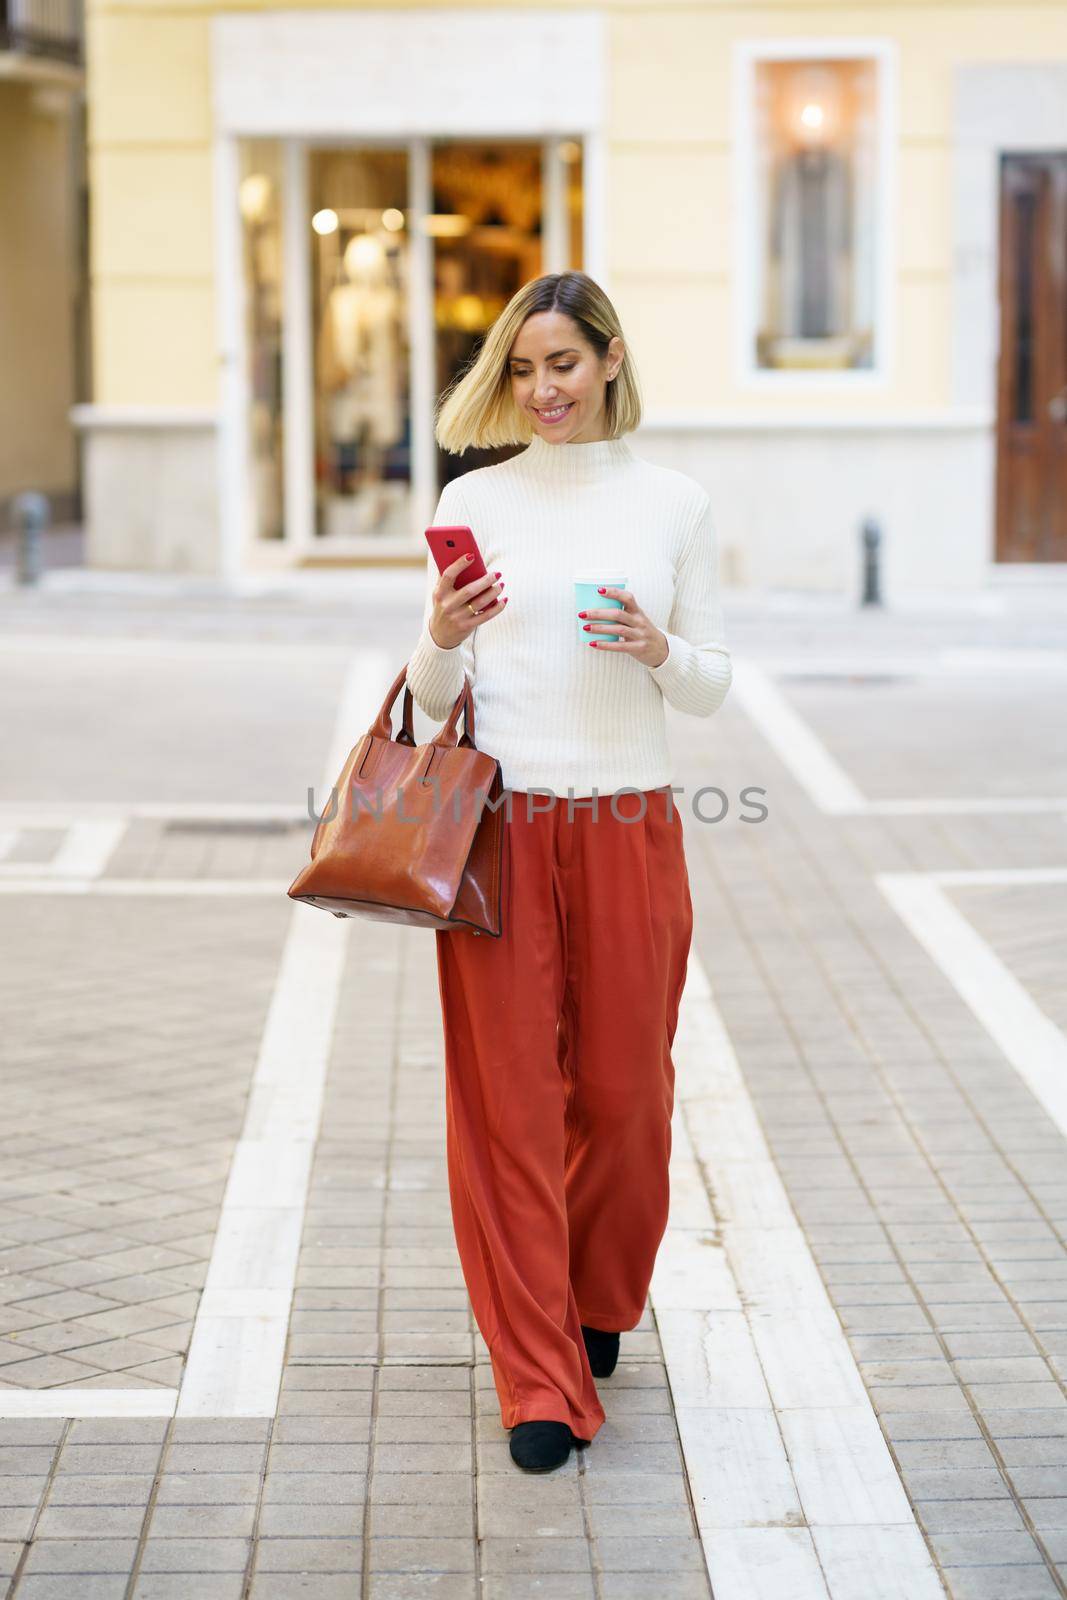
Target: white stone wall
(789, 501)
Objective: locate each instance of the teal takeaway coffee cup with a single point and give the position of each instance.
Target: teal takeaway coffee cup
(586, 598)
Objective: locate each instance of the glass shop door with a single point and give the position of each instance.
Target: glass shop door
(370, 273)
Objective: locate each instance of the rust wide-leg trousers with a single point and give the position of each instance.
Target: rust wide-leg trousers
(560, 1085)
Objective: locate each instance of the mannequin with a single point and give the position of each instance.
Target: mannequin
(811, 235)
(360, 349)
(361, 368)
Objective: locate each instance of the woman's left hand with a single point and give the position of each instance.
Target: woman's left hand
(638, 636)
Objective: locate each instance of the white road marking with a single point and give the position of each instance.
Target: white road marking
(825, 780)
(32, 883)
(87, 1402)
(60, 646)
(795, 1489)
(88, 846)
(998, 877)
(236, 1350)
(1030, 1040)
(794, 742)
(61, 814)
(237, 1346)
(84, 851)
(967, 805)
(947, 662)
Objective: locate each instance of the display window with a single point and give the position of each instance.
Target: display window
(814, 213)
(371, 273)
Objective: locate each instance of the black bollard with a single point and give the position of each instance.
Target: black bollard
(32, 512)
(872, 549)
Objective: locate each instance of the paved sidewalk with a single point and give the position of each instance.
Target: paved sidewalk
(223, 1167)
(387, 1442)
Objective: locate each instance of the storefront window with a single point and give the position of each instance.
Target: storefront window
(815, 151)
(370, 271)
(359, 288)
(260, 199)
(487, 227)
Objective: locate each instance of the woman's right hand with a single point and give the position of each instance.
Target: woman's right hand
(450, 621)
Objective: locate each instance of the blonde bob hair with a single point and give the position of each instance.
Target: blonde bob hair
(478, 410)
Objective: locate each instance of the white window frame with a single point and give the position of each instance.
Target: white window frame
(747, 52)
(392, 76)
(241, 546)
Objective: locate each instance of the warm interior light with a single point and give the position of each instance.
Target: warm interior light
(813, 102)
(325, 221)
(445, 224)
(469, 312)
(254, 196)
(393, 220)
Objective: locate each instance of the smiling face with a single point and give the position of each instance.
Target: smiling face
(558, 379)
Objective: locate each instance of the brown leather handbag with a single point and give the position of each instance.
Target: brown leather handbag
(412, 833)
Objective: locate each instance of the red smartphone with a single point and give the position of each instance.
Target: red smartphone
(448, 543)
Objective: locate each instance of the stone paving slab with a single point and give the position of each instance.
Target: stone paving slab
(929, 1183)
(387, 1442)
(937, 732)
(1027, 927)
(123, 1100)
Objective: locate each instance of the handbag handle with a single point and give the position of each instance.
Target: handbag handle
(382, 727)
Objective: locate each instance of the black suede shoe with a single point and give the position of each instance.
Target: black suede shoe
(540, 1446)
(602, 1350)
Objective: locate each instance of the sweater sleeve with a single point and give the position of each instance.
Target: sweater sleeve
(697, 672)
(435, 675)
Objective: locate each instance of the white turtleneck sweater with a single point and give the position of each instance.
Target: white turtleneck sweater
(556, 714)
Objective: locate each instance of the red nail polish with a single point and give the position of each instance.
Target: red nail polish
(591, 643)
(581, 613)
(496, 574)
(601, 591)
(585, 627)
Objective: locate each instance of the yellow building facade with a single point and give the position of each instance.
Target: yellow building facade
(827, 230)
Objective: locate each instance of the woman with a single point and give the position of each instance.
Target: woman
(558, 1034)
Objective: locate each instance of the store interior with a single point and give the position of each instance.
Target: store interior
(816, 124)
(486, 228)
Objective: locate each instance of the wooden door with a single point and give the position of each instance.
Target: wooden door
(1032, 365)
